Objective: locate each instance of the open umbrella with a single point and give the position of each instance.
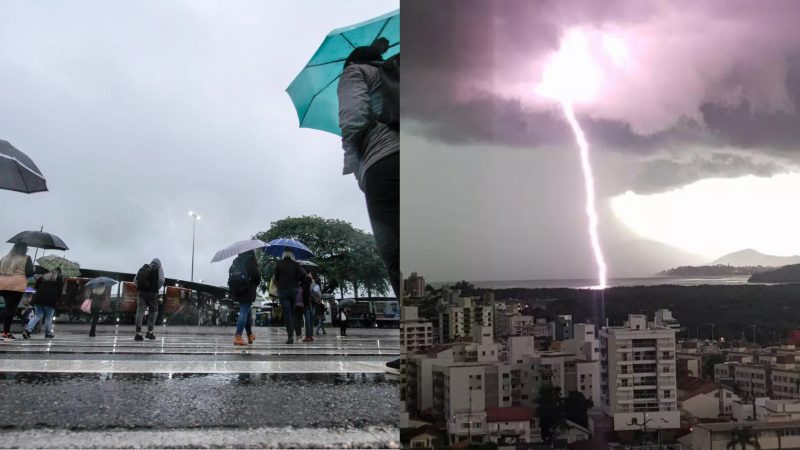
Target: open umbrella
(313, 91)
(277, 246)
(18, 172)
(68, 268)
(308, 265)
(238, 248)
(39, 239)
(100, 281)
(346, 302)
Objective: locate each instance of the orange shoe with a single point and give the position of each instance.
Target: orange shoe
(251, 338)
(237, 340)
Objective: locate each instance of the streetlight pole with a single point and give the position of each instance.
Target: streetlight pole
(195, 218)
(712, 332)
(754, 333)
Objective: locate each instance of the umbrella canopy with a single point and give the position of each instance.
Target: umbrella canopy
(68, 268)
(308, 265)
(313, 91)
(18, 172)
(277, 246)
(39, 239)
(238, 248)
(346, 302)
(100, 281)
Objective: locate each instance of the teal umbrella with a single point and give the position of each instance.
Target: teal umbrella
(313, 91)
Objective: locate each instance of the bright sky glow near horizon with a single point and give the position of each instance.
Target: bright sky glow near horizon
(713, 217)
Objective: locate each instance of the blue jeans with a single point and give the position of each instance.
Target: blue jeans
(321, 325)
(309, 315)
(245, 321)
(287, 297)
(42, 311)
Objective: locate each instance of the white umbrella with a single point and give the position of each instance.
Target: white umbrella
(238, 248)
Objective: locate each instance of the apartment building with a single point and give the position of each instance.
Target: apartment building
(770, 435)
(461, 313)
(638, 375)
(415, 335)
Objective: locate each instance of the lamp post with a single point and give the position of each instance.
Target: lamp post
(195, 218)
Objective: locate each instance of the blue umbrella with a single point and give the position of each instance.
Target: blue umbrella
(313, 91)
(277, 246)
(100, 281)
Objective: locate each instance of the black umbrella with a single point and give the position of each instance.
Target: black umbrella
(18, 172)
(39, 239)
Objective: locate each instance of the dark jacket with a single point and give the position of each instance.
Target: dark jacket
(288, 274)
(248, 262)
(305, 283)
(48, 293)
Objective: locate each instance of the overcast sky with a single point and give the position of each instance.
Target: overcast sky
(694, 134)
(138, 112)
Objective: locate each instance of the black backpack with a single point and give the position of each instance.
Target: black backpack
(238, 280)
(390, 92)
(143, 278)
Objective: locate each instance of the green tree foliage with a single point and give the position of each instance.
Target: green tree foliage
(347, 256)
(743, 437)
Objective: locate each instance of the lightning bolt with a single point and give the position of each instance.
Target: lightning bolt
(588, 181)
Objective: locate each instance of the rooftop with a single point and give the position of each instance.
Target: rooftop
(509, 414)
(728, 426)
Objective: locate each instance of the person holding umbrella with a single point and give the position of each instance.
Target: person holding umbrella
(48, 291)
(15, 269)
(96, 294)
(288, 275)
(243, 280)
(369, 115)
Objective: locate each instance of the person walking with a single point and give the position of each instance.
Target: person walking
(343, 313)
(15, 269)
(369, 117)
(319, 306)
(149, 281)
(96, 295)
(288, 275)
(243, 280)
(48, 292)
(308, 307)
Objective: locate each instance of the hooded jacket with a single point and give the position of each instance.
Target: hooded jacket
(288, 274)
(48, 293)
(248, 262)
(364, 140)
(157, 272)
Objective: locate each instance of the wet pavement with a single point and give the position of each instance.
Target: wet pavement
(76, 391)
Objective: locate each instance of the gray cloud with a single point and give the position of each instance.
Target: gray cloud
(138, 113)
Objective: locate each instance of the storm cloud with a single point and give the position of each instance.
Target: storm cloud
(719, 73)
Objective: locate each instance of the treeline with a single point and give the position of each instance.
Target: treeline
(785, 274)
(732, 309)
(712, 271)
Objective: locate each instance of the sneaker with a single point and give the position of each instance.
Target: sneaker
(49, 336)
(150, 335)
(8, 336)
(306, 339)
(138, 337)
(26, 335)
(93, 335)
(289, 341)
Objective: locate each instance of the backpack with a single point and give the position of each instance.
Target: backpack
(390, 92)
(316, 294)
(143, 281)
(238, 280)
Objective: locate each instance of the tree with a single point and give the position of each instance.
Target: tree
(347, 257)
(744, 437)
(551, 410)
(708, 365)
(576, 408)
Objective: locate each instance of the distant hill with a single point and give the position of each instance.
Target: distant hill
(719, 270)
(751, 257)
(643, 258)
(786, 274)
